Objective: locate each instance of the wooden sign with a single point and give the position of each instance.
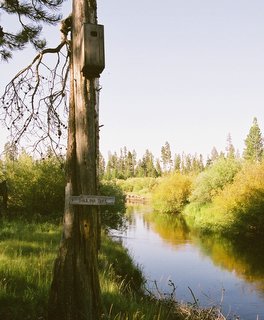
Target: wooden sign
(87, 200)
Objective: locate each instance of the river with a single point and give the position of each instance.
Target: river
(212, 271)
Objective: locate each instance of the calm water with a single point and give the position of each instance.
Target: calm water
(217, 272)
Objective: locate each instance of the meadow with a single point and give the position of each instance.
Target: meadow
(27, 252)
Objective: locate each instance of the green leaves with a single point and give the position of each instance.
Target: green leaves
(30, 16)
(172, 194)
(213, 179)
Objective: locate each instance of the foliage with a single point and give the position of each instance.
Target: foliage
(213, 179)
(126, 166)
(254, 143)
(240, 206)
(238, 209)
(171, 195)
(230, 149)
(112, 216)
(121, 166)
(146, 167)
(35, 187)
(142, 186)
(29, 17)
(166, 157)
(27, 251)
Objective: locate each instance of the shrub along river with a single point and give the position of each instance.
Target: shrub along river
(206, 270)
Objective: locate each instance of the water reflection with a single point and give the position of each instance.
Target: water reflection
(243, 258)
(167, 250)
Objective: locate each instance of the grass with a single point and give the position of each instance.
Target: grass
(27, 252)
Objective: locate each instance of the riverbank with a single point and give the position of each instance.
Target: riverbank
(27, 252)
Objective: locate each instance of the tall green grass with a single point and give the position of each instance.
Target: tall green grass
(27, 252)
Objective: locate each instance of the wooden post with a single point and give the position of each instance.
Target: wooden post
(75, 289)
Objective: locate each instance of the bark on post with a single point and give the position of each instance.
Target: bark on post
(75, 289)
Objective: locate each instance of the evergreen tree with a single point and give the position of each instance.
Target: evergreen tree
(140, 169)
(150, 167)
(129, 166)
(158, 168)
(201, 163)
(214, 154)
(230, 149)
(188, 163)
(112, 166)
(195, 165)
(10, 151)
(30, 15)
(101, 165)
(166, 157)
(177, 162)
(254, 143)
(146, 167)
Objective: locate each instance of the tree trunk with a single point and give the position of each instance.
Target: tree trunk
(75, 290)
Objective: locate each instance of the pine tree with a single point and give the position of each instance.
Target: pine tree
(166, 157)
(201, 163)
(158, 168)
(214, 154)
(177, 162)
(101, 164)
(230, 149)
(30, 15)
(254, 143)
(129, 173)
(150, 167)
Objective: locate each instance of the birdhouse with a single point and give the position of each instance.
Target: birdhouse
(93, 57)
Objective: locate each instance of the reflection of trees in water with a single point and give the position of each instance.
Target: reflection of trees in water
(172, 229)
(245, 258)
(131, 209)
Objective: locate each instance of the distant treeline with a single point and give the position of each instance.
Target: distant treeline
(125, 164)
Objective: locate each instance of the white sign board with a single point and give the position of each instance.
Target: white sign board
(88, 200)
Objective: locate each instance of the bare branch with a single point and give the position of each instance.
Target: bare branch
(34, 103)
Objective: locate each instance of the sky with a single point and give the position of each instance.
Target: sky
(184, 71)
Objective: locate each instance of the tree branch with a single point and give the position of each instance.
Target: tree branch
(34, 103)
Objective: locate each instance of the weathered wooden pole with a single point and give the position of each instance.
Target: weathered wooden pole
(75, 289)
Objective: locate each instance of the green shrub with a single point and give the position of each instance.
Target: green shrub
(238, 209)
(36, 188)
(138, 185)
(240, 206)
(33, 183)
(211, 181)
(172, 194)
(112, 216)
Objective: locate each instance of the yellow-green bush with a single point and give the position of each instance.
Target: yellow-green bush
(137, 185)
(171, 195)
(212, 180)
(241, 204)
(238, 208)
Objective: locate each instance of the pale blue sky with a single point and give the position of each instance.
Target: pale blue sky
(188, 72)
